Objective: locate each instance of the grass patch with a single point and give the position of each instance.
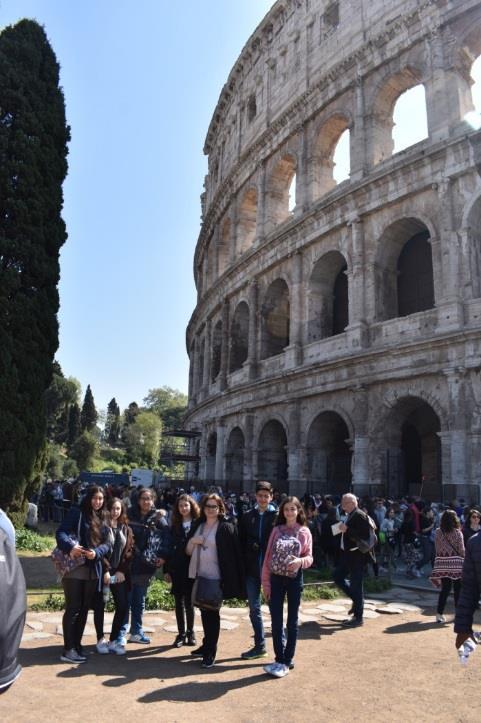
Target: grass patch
(30, 541)
(377, 584)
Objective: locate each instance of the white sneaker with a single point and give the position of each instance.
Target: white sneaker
(281, 671)
(270, 667)
(102, 647)
(71, 656)
(116, 648)
(440, 618)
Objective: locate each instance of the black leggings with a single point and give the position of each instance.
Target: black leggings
(446, 584)
(120, 595)
(211, 625)
(78, 599)
(184, 613)
(98, 607)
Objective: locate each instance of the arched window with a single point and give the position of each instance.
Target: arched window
(223, 247)
(272, 454)
(234, 457)
(275, 319)
(410, 104)
(246, 223)
(341, 158)
(239, 337)
(415, 289)
(332, 154)
(328, 299)
(280, 196)
(292, 194)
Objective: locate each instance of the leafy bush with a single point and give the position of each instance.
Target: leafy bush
(52, 603)
(159, 596)
(33, 541)
(376, 584)
(320, 592)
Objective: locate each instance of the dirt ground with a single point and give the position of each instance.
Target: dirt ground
(398, 667)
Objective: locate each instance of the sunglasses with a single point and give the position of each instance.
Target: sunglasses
(211, 507)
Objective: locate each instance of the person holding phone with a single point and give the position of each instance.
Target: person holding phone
(83, 533)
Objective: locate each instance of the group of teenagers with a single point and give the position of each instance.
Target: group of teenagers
(267, 549)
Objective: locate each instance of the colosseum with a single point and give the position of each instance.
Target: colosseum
(336, 340)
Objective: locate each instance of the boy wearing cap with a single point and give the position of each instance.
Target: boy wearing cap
(255, 527)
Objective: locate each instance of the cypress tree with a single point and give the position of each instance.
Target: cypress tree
(88, 415)
(112, 423)
(73, 429)
(33, 165)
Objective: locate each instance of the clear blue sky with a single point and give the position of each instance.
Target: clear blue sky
(141, 80)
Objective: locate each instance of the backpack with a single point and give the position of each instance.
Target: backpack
(370, 543)
(284, 549)
(13, 606)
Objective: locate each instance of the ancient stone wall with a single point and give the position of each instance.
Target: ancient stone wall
(336, 339)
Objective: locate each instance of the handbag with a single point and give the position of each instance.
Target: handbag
(206, 593)
(62, 561)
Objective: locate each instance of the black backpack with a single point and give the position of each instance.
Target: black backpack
(13, 607)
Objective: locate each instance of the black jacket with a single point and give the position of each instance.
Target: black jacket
(178, 563)
(254, 532)
(470, 586)
(229, 555)
(357, 528)
(141, 526)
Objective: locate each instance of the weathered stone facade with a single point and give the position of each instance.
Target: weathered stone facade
(340, 343)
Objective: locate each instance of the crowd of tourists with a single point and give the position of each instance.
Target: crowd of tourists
(214, 547)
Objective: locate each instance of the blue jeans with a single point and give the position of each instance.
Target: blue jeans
(284, 648)
(253, 588)
(354, 587)
(136, 606)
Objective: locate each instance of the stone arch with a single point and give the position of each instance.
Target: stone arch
(246, 221)
(216, 351)
(272, 454)
(224, 245)
(191, 368)
(328, 453)
(277, 192)
(410, 447)
(404, 270)
(234, 457)
(239, 337)
(210, 455)
(387, 93)
(200, 366)
(328, 306)
(275, 319)
(328, 137)
(469, 54)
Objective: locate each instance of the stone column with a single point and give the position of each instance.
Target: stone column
(357, 332)
(207, 356)
(448, 89)
(455, 377)
(248, 452)
(447, 284)
(360, 456)
(302, 176)
(261, 204)
(294, 443)
(357, 136)
(251, 361)
(224, 359)
(219, 453)
(296, 331)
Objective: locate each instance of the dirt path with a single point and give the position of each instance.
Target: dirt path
(398, 667)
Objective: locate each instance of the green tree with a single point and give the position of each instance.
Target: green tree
(55, 462)
(88, 415)
(33, 165)
(69, 469)
(61, 394)
(112, 423)
(169, 404)
(84, 450)
(143, 439)
(73, 426)
(129, 416)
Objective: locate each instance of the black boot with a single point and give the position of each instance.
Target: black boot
(179, 641)
(190, 638)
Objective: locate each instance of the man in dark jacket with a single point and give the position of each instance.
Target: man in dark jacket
(255, 527)
(352, 560)
(470, 591)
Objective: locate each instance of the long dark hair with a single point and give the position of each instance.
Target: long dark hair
(301, 515)
(123, 519)
(177, 517)
(95, 519)
(449, 521)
